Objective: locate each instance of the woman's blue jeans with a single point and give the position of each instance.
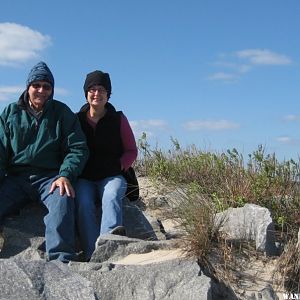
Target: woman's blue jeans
(110, 193)
(16, 191)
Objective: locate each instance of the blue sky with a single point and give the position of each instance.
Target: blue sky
(218, 74)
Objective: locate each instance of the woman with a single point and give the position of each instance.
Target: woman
(112, 150)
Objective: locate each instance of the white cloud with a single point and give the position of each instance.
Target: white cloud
(263, 57)
(210, 125)
(148, 126)
(286, 140)
(236, 67)
(61, 91)
(10, 92)
(152, 123)
(19, 43)
(243, 61)
(243, 68)
(222, 76)
(292, 118)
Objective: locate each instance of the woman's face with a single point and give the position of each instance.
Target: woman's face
(97, 96)
(39, 92)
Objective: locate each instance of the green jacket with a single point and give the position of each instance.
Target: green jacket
(52, 143)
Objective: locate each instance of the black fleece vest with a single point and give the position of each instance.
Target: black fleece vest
(105, 146)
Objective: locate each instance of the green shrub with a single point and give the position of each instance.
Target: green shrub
(228, 180)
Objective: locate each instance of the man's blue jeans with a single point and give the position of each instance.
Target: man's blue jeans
(16, 191)
(110, 193)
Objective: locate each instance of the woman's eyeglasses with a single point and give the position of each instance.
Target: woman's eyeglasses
(94, 90)
(45, 86)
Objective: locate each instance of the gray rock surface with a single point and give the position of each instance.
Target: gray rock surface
(24, 233)
(251, 222)
(25, 274)
(175, 279)
(111, 247)
(32, 280)
(140, 224)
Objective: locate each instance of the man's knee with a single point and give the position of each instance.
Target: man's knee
(13, 196)
(60, 204)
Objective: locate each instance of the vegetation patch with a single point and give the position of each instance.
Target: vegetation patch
(213, 182)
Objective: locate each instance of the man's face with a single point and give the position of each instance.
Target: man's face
(39, 92)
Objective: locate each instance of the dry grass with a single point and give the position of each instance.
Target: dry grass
(287, 274)
(195, 215)
(218, 256)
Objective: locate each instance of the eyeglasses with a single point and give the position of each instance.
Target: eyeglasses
(45, 86)
(99, 90)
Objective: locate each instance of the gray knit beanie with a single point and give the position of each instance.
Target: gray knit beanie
(40, 72)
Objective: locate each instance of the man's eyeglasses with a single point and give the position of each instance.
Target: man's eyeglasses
(45, 86)
(99, 90)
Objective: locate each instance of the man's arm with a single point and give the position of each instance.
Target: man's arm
(75, 152)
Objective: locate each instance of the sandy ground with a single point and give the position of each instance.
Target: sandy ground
(156, 256)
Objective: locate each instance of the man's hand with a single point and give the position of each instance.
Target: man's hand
(64, 186)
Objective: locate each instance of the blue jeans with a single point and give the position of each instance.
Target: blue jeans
(110, 193)
(16, 191)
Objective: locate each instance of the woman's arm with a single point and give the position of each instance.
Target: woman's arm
(129, 145)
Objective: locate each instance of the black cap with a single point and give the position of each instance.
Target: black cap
(97, 78)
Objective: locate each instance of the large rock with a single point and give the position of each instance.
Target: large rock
(112, 247)
(24, 233)
(42, 280)
(175, 279)
(140, 224)
(159, 276)
(110, 276)
(251, 222)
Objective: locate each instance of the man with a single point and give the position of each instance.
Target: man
(42, 151)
